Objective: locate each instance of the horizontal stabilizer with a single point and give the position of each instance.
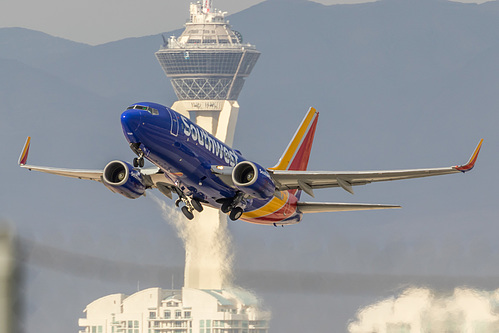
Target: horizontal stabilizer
(322, 207)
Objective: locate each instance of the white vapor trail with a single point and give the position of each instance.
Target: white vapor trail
(208, 246)
(209, 256)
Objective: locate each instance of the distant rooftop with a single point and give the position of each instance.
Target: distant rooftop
(181, 311)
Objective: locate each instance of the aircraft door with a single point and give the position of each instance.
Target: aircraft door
(174, 122)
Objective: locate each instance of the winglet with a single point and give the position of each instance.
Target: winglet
(471, 163)
(23, 158)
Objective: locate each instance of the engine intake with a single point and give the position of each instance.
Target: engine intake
(253, 180)
(121, 178)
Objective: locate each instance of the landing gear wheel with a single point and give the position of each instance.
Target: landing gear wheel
(187, 213)
(138, 162)
(197, 205)
(236, 213)
(177, 202)
(225, 207)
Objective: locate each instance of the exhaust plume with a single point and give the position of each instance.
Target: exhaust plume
(207, 243)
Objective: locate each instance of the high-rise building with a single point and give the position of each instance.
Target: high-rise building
(156, 310)
(207, 65)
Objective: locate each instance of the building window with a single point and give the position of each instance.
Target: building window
(208, 323)
(152, 315)
(187, 314)
(168, 314)
(201, 323)
(100, 329)
(178, 314)
(94, 329)
(130, 324)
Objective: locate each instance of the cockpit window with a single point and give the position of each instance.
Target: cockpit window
(152, 111)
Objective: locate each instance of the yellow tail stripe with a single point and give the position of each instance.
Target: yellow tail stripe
(294, 145)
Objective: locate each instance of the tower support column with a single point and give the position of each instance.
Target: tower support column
(218, 117)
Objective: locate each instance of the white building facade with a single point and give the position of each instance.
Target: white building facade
(155, 310)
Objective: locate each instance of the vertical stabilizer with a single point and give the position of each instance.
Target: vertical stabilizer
(297, 153)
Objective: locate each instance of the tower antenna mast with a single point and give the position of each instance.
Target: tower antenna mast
(207, 6)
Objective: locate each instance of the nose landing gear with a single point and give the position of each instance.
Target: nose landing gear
(137, 161)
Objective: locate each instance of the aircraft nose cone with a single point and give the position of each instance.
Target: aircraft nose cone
(131, 120)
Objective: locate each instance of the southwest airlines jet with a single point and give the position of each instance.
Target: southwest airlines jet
(201, 170)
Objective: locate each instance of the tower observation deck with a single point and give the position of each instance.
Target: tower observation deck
(207, 65)
(209, 60)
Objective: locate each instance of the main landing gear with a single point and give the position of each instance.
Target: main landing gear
(235, 213)
(187, 212)
(190, 205)
(232, 207)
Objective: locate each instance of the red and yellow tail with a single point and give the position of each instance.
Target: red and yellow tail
(297, 153)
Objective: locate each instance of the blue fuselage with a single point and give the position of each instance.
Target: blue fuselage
(185, 152)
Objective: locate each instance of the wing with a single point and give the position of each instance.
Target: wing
(309, 180)
(153, 177)
(322, 207)
(73, 173)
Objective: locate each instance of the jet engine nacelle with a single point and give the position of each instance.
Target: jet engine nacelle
(253, 180)
(120, 177)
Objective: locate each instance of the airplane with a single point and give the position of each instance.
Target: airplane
(203, 171)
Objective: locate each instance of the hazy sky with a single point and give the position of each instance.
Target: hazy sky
(97, 22)
(415, 92)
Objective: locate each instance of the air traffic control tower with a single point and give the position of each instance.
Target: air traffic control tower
(207, 66)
